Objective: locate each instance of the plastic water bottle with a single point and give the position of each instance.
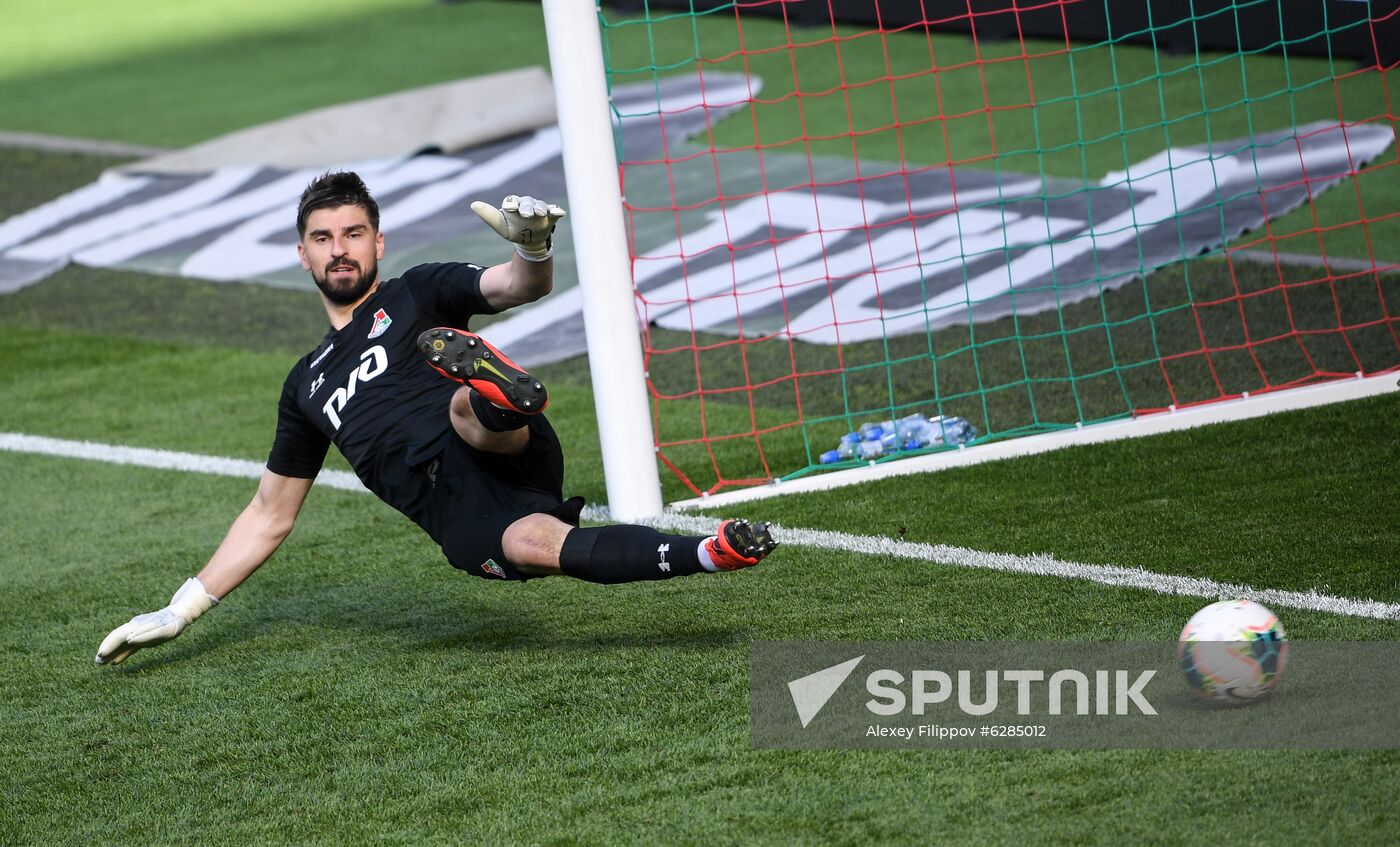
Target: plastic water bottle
(880, 439)
(911, 432)
(846, 449)
(870, 449)
(954, 431)
(873, 431)
(911, 427)
(917, 435)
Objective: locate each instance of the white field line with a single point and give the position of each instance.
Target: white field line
(1042, 564)
(146, 457)
(1038, 565)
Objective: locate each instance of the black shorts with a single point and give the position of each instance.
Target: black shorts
(477, 495)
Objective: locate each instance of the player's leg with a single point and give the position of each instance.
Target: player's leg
(533, 542)
(497, 398)
(478, 423)
(543, 545)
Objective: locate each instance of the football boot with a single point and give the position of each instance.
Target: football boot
(468, 358)
(739, 544)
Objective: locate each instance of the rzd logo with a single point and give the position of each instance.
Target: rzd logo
(374, 362)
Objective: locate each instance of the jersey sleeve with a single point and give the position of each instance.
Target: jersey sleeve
(299, 449)
(449, 291)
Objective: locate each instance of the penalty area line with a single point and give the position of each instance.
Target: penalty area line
(1043, 564)
(942, 554)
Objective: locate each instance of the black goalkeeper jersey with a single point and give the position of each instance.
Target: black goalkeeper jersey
(366, 388)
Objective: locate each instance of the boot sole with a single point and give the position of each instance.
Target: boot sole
(467, 358)
(748, 540)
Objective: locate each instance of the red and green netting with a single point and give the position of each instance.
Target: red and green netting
(833, 223)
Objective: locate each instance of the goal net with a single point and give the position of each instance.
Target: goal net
(1021, 216)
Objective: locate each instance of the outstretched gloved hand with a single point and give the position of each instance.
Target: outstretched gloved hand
(157, 627)
(525, 221)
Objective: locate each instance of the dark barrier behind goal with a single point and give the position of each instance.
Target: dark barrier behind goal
(1368, 32)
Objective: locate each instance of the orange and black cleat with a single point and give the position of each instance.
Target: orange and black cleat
(740, 544)
(468, 358)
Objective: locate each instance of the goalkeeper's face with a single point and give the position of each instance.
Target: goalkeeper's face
(342, 249)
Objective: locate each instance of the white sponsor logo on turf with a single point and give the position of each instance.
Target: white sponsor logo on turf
(850, 258)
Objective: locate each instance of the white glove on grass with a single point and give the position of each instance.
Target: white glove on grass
(154, 628)
(525, 221)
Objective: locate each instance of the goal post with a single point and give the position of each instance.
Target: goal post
(604, 265)
(1007, 219)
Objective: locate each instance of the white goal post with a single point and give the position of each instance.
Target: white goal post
(604, 265)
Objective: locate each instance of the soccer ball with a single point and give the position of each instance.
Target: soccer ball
(1232, 652)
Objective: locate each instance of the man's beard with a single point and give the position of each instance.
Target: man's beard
(343, 294)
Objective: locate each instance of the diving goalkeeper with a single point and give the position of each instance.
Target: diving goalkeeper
(434, 420)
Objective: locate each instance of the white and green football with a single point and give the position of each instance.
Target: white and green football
(1233, 651)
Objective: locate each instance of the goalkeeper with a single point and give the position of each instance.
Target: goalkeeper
(435, 421)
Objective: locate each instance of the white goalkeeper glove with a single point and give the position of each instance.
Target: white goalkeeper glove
(154, 628)
(525, 221)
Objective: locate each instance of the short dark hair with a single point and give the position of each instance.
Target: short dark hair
(332, 189)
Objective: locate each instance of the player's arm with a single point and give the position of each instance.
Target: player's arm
(254, 536)
(529, 275)
(256, 533)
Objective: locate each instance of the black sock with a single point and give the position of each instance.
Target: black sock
(622, 553)
(495, 418)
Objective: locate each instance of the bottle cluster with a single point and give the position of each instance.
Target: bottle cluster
(911, 432)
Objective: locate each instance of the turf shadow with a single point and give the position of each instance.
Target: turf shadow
(389, 617)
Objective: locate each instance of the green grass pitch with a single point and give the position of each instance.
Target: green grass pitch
(358, 689)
